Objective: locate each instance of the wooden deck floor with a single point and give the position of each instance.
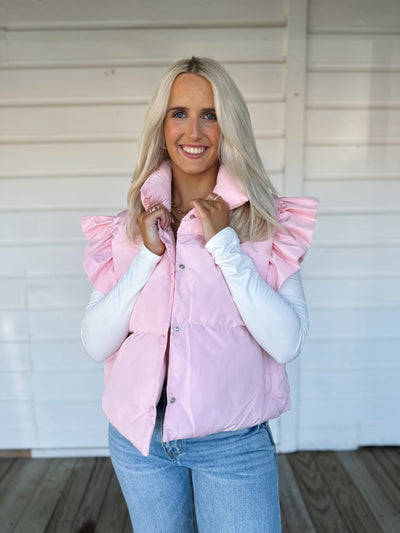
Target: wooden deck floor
(357, 491)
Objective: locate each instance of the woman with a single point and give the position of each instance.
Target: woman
(197, 308)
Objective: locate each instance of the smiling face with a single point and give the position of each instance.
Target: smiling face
(191, 129)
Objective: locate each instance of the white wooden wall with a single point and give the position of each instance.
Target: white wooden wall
(350, 370)
(75, 79)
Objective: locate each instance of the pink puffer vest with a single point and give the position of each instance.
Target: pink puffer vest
(219, 378)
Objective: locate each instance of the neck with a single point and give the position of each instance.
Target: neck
(187, 187)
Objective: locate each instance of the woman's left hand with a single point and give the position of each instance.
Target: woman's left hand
(213, 213)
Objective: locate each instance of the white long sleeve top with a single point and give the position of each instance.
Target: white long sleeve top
(278, 321)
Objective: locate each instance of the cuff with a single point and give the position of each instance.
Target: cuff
(225, 239)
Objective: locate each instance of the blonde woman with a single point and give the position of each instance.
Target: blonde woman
(198, 305)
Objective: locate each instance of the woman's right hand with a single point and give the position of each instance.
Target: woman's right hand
(148, 223)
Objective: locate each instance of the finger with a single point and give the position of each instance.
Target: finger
(153, 209)
(164, 219)
(155, 215)
(212, 197)
(203, 207)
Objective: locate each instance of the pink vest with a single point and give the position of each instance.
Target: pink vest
(219, 378)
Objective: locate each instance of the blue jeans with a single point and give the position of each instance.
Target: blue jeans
(223, 483)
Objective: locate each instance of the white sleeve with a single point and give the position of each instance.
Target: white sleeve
(277, 320)
(105, 324)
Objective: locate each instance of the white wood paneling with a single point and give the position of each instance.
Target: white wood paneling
(59, 85)
(355, 15)
(122, 13)
(142, 45)
(350, 367)
(367, 50)
(75, 81)
(353, 259)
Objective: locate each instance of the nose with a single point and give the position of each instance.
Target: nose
(194, 128)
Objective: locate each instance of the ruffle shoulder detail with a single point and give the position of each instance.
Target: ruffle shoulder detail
(98, 259)
(291, 242)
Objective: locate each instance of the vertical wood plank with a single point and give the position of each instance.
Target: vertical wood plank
(383, 509)
(93, 498)
(17, 487)
(5, 465)
(38, 511)
(350, 504)
(67, 506)
(384, 472)
(293, 177)
(317, 497)
(294, 513)
(296, 68)
(114, 512)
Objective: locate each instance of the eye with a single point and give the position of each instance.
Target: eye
(178, 114)
(210, 116)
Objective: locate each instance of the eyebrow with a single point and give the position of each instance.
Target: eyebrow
(183, 108)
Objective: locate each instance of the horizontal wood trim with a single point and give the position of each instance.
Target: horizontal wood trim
(95, 173)
(306, 275)
(46, 208)
(38, 241)
(360, 274)
(350, 337)
(384, 243)
(354, 30)
(115, 101)
(8, 454)
(115, 208)
(353, 104)
(70, 452)
(358, 210)
(353, 67)
(147, 24)
(334, 307)
(104, 138)
(124, 63)
(336, 176)
(70, 174)
(351, 141)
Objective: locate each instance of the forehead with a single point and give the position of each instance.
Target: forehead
(191, 88)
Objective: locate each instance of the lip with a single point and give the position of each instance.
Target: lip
(193, 151)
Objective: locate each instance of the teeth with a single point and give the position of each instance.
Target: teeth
(194, 150)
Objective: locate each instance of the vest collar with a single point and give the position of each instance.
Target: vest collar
(157, 188)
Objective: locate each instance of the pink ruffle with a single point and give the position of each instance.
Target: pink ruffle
(98, 260)
(297, 215)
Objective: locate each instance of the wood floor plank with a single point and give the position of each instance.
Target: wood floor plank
(295, 517)
(67, 507)
(351, 505)
(19, 487)
(321, 492)
(382, 472)
(127, 525)
(389, 458)
(114, 511)
(45, 497)
(5, 465)
(384, 511)
(9, 475)
(92, 501)
(317, 498)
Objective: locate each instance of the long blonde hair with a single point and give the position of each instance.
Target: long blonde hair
(254, 220)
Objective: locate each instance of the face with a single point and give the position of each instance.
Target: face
(191, 128)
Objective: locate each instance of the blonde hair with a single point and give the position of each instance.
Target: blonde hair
(254, 220)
